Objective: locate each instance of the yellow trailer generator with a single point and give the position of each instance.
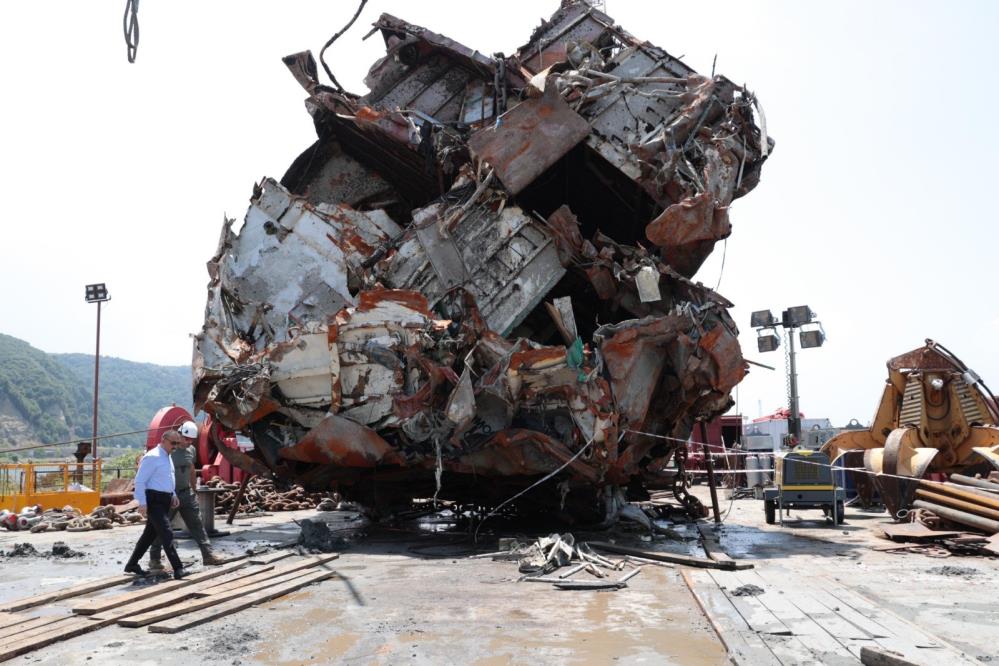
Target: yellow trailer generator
(804, 480)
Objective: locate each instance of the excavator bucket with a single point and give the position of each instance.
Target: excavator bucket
(898, 467)
(983, 459)
(935, 415)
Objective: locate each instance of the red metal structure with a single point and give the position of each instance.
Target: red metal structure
(210, 435)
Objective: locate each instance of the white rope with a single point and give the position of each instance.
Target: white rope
(568, 462)
(861, 470)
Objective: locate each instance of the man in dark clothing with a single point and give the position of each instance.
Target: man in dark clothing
(183, 457)
(154, 490)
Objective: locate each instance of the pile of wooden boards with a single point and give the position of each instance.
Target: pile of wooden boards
(166, 607)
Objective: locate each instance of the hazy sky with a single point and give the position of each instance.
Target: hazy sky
(875, 208)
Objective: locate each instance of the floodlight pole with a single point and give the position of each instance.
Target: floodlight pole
(794, 418)
(97, 377)
(97, 293)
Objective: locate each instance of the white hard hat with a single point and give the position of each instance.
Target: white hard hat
(189, 429)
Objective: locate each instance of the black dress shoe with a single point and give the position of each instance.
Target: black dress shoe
(135, 569)
(179, 573)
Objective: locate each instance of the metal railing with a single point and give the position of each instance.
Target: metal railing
(51, 484)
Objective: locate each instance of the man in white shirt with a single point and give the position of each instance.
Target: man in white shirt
(184, 464)
(154, 490)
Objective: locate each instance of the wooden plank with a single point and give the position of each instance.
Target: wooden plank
(297, 565)
(757, 616)
(886, 634)
(13, 630)
(896, 625)
(908, 639)
(812, 635)
(878, 657)
(8, 619)
(246, 601)
(790, 650)
(101, 604)
(712, 546)
(199, 603)
(852, 637)
(213, 600)
(167, 598)
(774, 633)
(673, 558)
(56, 623)
(66, 592)
(743, 645)
(805, 599)
(234, 580)
(267, 558)
(70, 627)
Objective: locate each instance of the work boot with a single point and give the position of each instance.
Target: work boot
(155, 564)
(179, 573)
(208, 557)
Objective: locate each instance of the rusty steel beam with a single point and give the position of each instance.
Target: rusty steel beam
(961, 517)
(977, 483)
(966, 496)
(969, 507)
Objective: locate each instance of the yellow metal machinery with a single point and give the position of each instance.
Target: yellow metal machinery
(53, 485)
(935, 416)
(803, 479)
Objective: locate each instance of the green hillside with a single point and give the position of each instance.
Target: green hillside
(48, 398)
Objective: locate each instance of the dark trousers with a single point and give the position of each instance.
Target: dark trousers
(188, 510)
(157, 525)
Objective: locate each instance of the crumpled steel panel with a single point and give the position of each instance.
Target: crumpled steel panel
(529, 138)
(505, 259)
(425, 305)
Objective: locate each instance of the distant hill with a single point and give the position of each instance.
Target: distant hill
(48, 398)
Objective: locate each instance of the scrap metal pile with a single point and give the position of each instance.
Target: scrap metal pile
(480, 274)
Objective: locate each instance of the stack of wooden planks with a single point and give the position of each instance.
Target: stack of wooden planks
(33, 622)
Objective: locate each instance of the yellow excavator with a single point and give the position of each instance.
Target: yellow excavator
(936, 416)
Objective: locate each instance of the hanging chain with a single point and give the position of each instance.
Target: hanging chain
(130, 25)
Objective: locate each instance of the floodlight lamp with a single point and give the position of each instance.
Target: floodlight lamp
(799, 315)
(767, 343)
(97, 293)
(762, 319)
(810, 339)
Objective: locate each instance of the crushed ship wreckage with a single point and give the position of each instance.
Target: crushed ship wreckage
(480, 275)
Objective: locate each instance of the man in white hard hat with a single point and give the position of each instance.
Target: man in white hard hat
(184, 457)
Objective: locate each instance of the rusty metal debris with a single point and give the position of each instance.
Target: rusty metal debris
(479, 275)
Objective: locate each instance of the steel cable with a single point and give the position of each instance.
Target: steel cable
(332, 39)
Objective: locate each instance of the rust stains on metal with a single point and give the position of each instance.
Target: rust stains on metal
(452, 291)
(530, 138)
(339, 441)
